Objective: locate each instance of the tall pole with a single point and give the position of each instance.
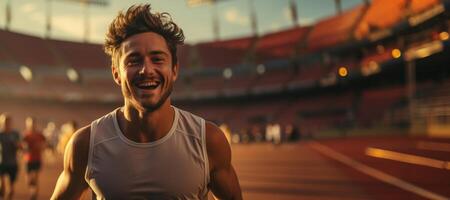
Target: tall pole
(48, 27)
(253, 20)
(8, 15)
(294, 14)
(338, 5)
(411, 90)
(215, 21)
(86, 4)
(86, 21)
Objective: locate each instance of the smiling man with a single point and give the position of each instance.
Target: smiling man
(147, 149)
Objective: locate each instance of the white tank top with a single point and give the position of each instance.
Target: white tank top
(173, 167)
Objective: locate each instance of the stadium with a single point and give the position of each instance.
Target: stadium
(370, 82)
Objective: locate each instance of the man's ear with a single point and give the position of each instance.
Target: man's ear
(116, 74)
(175, 69)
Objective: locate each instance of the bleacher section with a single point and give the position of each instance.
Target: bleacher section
(334, 30)
(27, 50)
(381, 15)
(289, 76)
(375, 102)
(226, 53)
(419, 6)
(81, 55)
(280, 45)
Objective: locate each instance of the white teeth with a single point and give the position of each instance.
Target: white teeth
(148, 84)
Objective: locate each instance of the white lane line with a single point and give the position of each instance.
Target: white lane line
(377, 174)
(433, 146)
(406, 158)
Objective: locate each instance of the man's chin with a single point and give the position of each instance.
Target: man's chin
(151, 105)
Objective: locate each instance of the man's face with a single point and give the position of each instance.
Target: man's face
(145, 72)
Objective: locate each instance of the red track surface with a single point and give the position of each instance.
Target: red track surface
(432, 179)
(298, 171)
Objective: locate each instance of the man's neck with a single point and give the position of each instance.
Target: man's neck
(146, 126)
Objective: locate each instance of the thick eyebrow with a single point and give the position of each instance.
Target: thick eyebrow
(152, 52)
(132, 54)
(157, 52)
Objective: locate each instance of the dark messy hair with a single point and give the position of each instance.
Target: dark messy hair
(139, 19)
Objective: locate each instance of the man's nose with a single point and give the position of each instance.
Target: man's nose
(147, 67)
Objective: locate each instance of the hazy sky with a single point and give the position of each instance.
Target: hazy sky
(28, 16)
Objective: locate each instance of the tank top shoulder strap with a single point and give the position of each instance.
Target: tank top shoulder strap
(194, 126)
(102, 129)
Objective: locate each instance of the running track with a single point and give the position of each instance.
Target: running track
(325, 169)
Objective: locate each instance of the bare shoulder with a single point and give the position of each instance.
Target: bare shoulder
(71, 182)
(81, 137)
(214, 136)
(77, 149)
(219, 152)
(223, 180)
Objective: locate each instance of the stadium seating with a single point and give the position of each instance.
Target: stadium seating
(4, 55)
(28, 50)
(418, 6)
(378, 56)
(375, 102)
(239, 83)
(82, 55)
(274, 79)
(254, 112)
(381, 14)
(225, 53)
(214, 83)
(217, 113)
(295, 61)
(317, 112)
(282, 44)
(184, 56)
(334, 30)
(309, 74)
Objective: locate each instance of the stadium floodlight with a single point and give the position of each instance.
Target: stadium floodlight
(342, 71)
(26, 73)
(443, 35)
(227, 73)
(194, 3)
(73, 75)
(91, 2)
(260, 69)
(396, 53)
(424, 50)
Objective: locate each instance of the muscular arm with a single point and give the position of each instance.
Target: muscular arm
(71, 183)
(224, 182)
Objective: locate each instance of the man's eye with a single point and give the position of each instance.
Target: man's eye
(133, 62)
(157, 60)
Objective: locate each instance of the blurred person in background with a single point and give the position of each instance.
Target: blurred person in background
(256, 134)
(226, 130)
(291, 132)
(34, 143)
(51, 135)
(67, 130)
(273, 133)
(10, 144)
(147, 149)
